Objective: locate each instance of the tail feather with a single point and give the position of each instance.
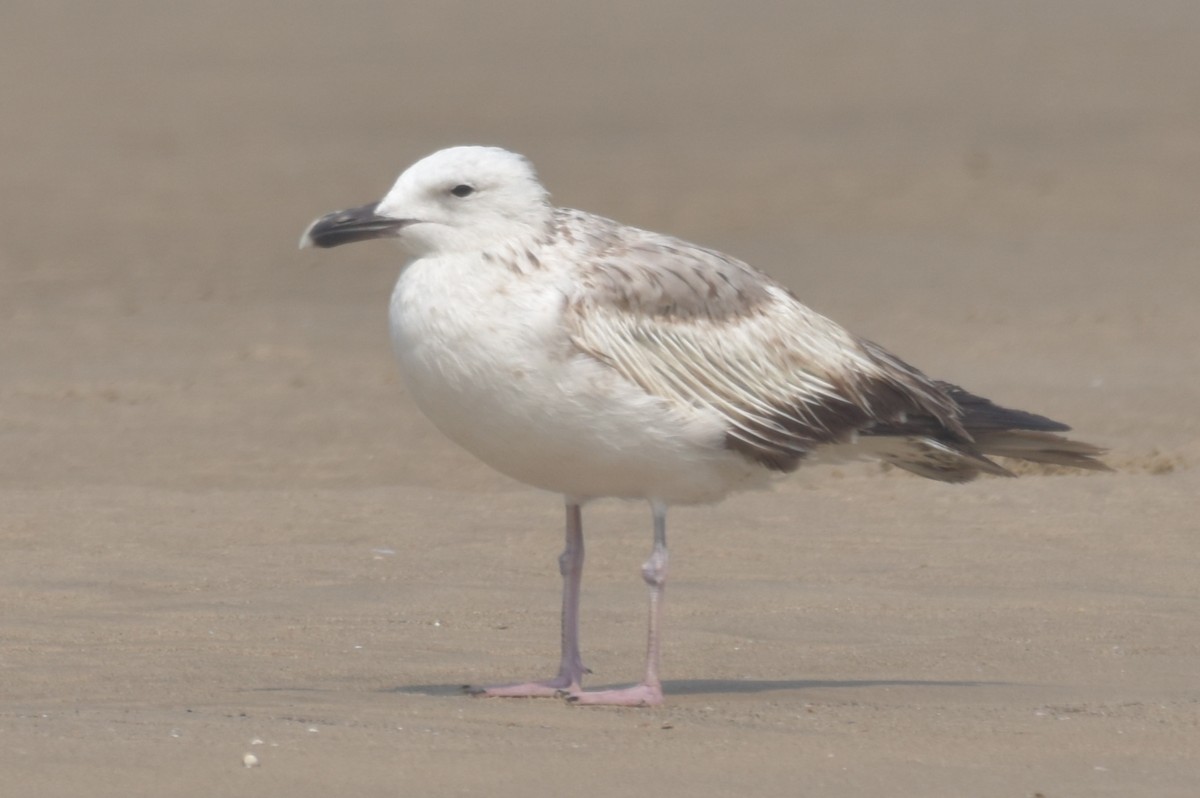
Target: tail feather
(925, 447)
(1041, 447)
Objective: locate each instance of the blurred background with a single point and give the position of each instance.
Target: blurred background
(224, 522)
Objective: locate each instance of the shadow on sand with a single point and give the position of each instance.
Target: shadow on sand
(730, 687)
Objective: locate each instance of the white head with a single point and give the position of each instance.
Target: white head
(456, 200)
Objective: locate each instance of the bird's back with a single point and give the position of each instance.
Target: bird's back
(697, 328)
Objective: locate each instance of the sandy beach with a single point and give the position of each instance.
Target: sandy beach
(226, 530)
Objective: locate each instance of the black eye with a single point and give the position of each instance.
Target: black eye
(462, 190)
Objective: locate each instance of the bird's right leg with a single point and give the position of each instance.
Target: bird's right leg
(571, 668)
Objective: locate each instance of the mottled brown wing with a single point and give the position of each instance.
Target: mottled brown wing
(697, 328)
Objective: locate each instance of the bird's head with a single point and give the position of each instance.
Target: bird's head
(455, 200)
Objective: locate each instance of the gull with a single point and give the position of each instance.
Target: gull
(592, 359)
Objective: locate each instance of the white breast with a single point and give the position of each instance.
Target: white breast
(487, 359)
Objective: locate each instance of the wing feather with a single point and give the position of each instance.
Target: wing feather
(699, 329)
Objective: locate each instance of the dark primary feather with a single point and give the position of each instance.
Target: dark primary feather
(940, 432)
(993, 430)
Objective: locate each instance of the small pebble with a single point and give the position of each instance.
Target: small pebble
(250, 761)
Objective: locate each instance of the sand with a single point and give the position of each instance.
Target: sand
(226, 529)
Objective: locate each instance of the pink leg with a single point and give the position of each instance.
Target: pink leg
(649, 692)
(571, 668)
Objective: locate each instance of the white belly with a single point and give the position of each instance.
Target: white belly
(489, 363)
